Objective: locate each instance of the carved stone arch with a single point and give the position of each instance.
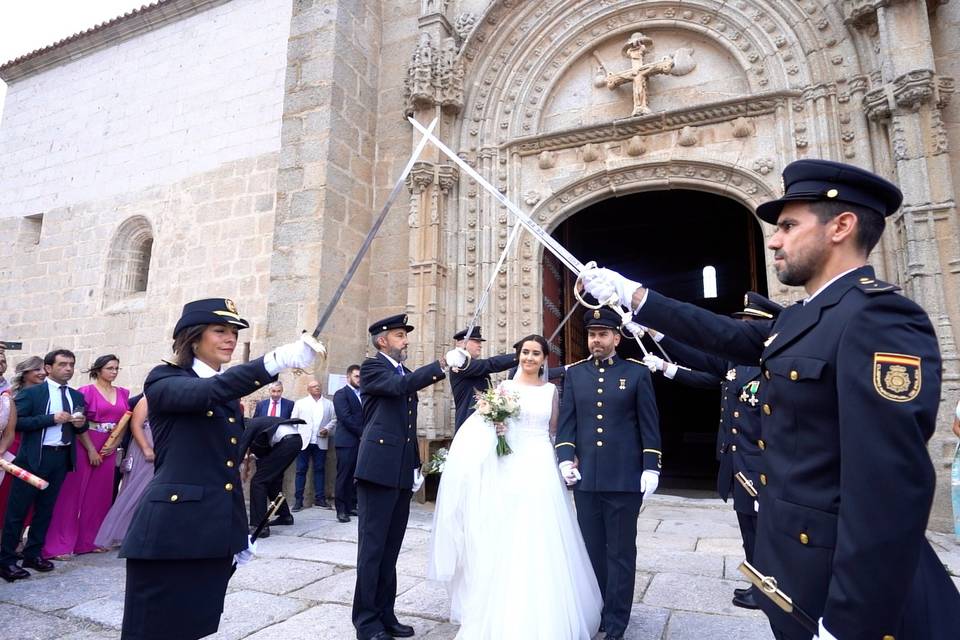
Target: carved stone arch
(128, 261)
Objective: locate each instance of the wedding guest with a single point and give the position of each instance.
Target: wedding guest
(49, 416)
(26, 374)
(87, 492)
(191, 524)
(137, 470)
(8, 422)
(321, 421)
(4, 384)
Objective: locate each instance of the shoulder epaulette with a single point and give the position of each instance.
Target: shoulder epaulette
(873, 286)
(573, 364)
(172, 364)
(635, 360)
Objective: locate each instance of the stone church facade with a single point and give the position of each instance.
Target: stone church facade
(241, 148)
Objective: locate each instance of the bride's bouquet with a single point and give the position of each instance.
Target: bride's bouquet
(496, 404)
(437, 462)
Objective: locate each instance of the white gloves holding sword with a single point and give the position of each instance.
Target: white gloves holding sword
(649, 480)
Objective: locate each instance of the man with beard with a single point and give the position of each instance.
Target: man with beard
(849, 401)
(608, 447)
(388, 473)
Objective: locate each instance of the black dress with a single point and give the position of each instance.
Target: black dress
(191, 519)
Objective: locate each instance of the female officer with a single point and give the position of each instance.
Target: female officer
(191, 520)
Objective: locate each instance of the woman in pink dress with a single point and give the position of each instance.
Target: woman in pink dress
(28, 373)
(88, 491)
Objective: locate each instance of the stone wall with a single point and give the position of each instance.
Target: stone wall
(171, 102)
(212, 235)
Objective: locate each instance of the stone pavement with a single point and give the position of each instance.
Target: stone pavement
(301, 585)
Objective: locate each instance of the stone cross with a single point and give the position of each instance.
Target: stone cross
(678, 64)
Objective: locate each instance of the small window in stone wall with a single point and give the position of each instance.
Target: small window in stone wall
(128, 263)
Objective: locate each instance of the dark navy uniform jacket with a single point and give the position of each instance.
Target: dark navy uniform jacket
(349, 412)
(475, 377)
(193, 507)
(849, 401)
(609, 420)
(739, 442)
(388, 450)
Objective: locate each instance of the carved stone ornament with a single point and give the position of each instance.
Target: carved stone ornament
(763, 166)
(434, 77)
(547, 160)
(636, 147)
(680, 63)
(688, 137)
(464, 25)
(531, 198)
(742, 128)
(590, 152)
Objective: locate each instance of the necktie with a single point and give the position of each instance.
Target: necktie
(400, 369)
(65, 428)
(273, 408)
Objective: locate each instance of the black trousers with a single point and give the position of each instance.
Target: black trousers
(53, 469)
(180, 599)
(267, 482)
(346, 491)
(382, 524)
(748, 531)
(608, 521)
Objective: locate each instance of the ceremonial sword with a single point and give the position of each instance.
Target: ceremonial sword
(767, 585)
(398, 185)
(565, 257)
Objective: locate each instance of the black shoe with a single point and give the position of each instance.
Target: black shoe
(265, 533)
(381, 635)
(741, 592)
(37, 563)
(746, 601)
(610, 637)
(353, 512)
(11, 572)
(298, 505)
(281, 522)
(342, 517)
(322, 502)
(398, 630)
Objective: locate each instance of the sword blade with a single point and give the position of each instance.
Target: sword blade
(493, 278)
(557, 249)
(397, 186)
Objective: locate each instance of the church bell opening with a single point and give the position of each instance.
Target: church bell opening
(694, 246)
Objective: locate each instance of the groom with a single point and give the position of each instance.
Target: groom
(608, 445)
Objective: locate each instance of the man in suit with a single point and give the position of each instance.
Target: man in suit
(849, 401)
(608, 445)
(276, 406)
(320, 422)
(49, 415)
(275, 443)
(388, 472)
(739, 441)
(475, 375)
(349, 410)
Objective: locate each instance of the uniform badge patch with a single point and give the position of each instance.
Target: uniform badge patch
(896, 376)
(623, 384)
(229, 304)
(732, 375)
(766, 343)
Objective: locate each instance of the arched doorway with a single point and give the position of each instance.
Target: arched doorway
(666, 240)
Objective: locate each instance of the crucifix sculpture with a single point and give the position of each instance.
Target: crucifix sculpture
(680, 63)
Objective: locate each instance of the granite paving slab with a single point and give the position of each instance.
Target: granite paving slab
(279, 575)
(339, 588)
(427, 599)
(34, 625)
(340, 553)
(646, 623)
(695, 593)
(328, 622)
(692, 562)
(651, 541)
(63, 588)
(685, 625)
(699, 529)
(246, 612)
(106, 611)
(726, 546)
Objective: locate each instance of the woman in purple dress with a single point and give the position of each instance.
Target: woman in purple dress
(136, 477)
(88, 491)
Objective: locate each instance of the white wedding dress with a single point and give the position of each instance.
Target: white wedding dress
(505, 537)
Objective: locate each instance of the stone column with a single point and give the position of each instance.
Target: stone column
(325, 179)
(908, 101)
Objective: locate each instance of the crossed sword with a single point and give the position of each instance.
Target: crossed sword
(522, 219)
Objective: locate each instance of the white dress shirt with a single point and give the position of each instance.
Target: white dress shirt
(53, 436)
(318, 414)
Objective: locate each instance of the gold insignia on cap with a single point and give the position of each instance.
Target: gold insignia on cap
(596, 315)
(404, 319)
(832, 193)
(746, 300)
(896, 376)
(230, 306)
(783, 187)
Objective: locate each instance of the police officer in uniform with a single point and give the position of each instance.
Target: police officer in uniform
(849, 401)
(388, 473)
(608, 438)
(739, 442)
(191, 521)
(475, 375)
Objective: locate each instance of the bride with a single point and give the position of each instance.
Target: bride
(505, 537)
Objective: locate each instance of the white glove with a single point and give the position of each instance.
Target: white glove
(631, 327)
(456, 358)
(296, 355)
(654, 363)
(823, 634)
(570, 474)
(417, 480)
(649, 480)
(603, 284)
(247, 554)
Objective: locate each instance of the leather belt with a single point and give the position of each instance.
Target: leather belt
(288, 436)
(57, 447)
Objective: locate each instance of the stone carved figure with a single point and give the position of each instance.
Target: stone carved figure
(680, 63)
(418, 87)
(448, 77)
